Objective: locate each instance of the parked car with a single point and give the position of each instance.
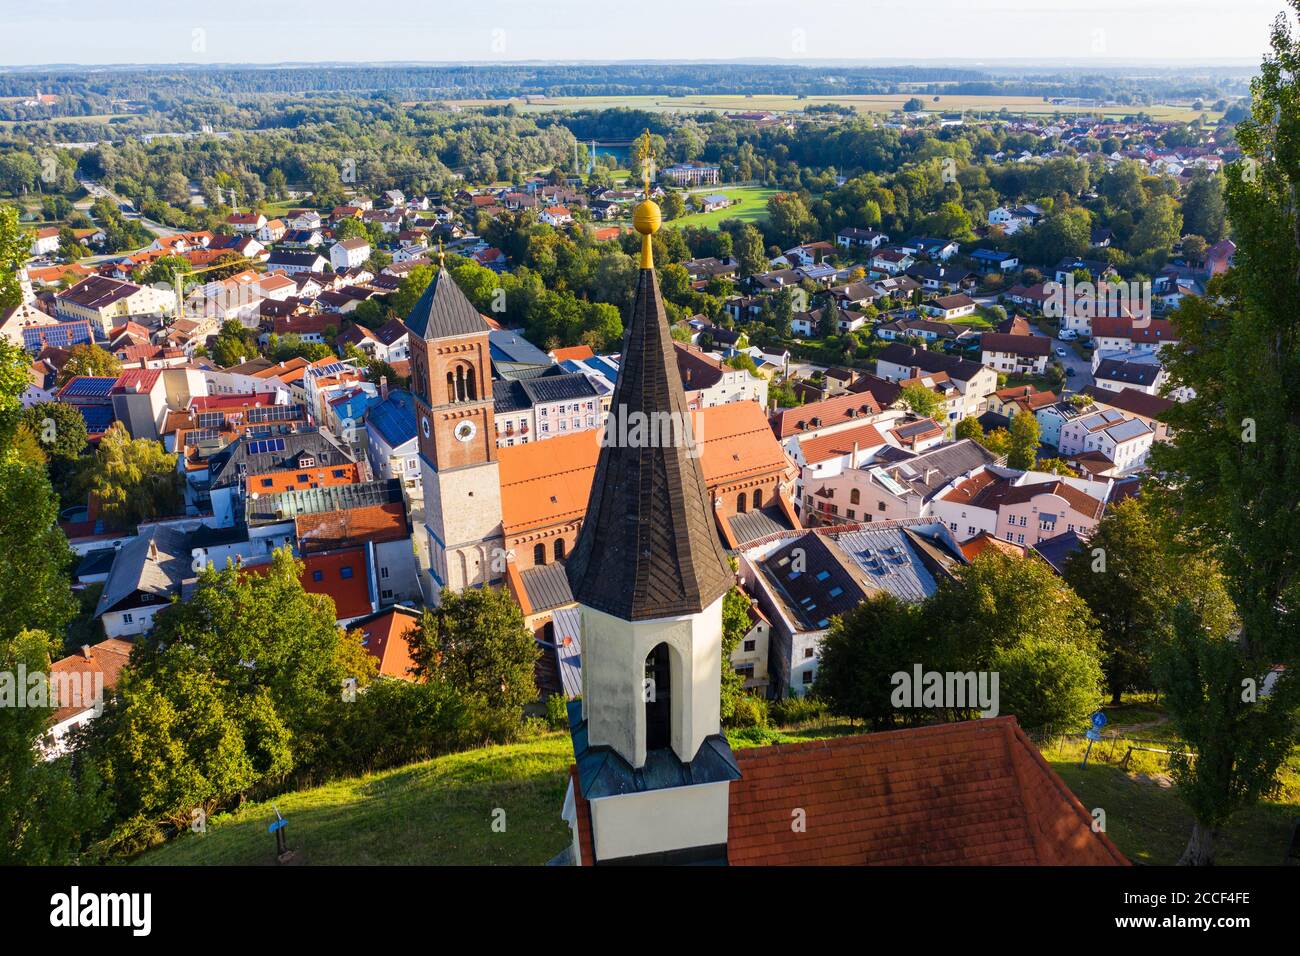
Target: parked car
(1067, 335)
(1069, 373)
(1061, 352)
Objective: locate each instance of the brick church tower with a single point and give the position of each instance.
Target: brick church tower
(451, 378)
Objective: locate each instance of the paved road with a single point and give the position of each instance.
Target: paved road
(157, 228)
(1082, 376)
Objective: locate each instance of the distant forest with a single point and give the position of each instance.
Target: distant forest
(84, 89)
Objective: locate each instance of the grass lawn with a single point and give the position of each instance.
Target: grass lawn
(1150, 824)
(749, 204)
(435, 813)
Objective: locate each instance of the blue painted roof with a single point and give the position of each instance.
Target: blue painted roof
(354, 406)
(394, 418)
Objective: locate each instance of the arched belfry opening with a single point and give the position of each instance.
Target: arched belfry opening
(658, 699)
(461, 385)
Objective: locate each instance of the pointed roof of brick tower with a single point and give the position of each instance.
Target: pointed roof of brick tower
(443, 311)
(648, 547)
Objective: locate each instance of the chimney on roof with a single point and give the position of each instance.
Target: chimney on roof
(931, 474)
(853, 462)
(153, 550)
(383, 386)
(242, 359)
(85, 651)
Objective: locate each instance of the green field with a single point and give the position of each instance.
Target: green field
(749, 204)
(881, 103)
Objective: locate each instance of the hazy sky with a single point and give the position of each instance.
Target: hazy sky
(244, 31)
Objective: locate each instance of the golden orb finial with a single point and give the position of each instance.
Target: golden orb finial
(646, 217)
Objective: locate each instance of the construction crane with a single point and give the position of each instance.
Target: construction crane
(180, 296)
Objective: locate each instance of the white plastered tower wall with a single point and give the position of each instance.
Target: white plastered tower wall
(614, 657)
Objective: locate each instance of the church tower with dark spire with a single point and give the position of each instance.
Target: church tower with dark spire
(451, 379)
(649, 574)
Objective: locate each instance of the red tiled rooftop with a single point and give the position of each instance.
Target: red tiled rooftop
(971, 793)
(825, 447)
(385, 639)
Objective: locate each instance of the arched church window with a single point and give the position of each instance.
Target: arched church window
(658, 699)
(757, 498)
(539, 553)
(559, 549)
(855, 497)
(740, 503)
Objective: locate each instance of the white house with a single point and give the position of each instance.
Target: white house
(349, 253)
(1121, 438)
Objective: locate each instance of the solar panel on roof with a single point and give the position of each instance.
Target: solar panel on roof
(211, 419)
(264, 445)
(63, 335)
(274, 413)
(202, 434)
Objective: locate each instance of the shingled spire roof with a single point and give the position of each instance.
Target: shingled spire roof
(648, 547)
(444, 312)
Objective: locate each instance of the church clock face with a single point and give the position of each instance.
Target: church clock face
(424, 424)
(464, 431)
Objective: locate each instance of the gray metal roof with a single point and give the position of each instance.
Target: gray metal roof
(547, 586)
(753, 525)
(444, 312)
(156, 561)
(568, 649)
(888, 562)
(927, 473)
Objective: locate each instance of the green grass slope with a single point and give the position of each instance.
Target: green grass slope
(438, 812)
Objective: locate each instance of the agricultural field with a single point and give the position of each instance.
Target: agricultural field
(877, 103)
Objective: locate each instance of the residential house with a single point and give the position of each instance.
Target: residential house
(853, 239)
(148, 573)
(949, 307)
(1123, 440)
(898, 362)
(1015, 354)
(802, 581)
(349, 254)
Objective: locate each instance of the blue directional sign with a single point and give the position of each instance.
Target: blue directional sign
(1098, 720)
(276, 825)
(1093, 734)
